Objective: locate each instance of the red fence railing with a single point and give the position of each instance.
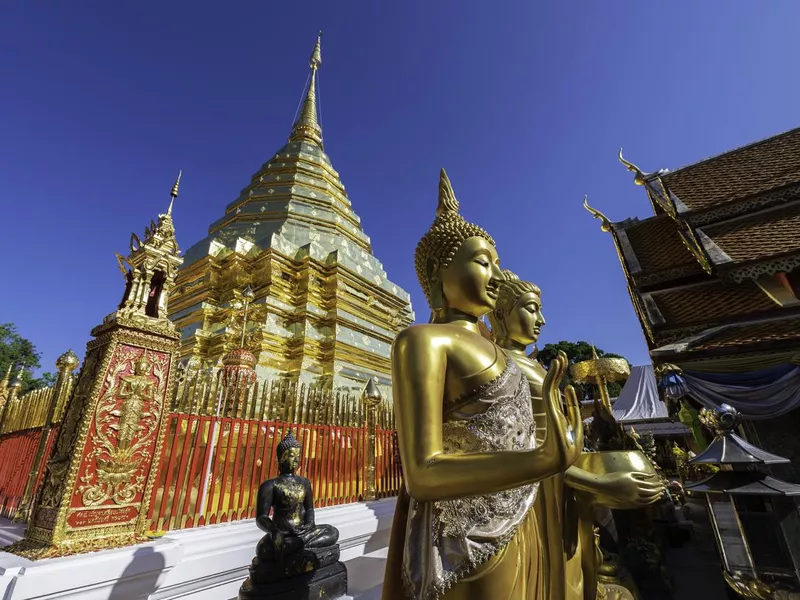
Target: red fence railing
(212, 467)
(17, 452)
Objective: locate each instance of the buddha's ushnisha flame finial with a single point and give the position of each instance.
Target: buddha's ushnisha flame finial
(307, 128)
(174, 192)
(448, 203)
(445, 236)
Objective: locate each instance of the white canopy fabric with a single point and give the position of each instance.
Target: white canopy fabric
(638, 400)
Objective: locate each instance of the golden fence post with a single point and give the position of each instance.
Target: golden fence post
(13, 391)
(371, 397)
(66, 364)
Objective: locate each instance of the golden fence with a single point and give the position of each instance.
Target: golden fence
(202, 392)
(220, 446)
(212, 467)
(30, 410)
(221, 440)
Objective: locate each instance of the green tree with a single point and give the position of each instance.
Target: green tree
(16, 352)
(577, 352)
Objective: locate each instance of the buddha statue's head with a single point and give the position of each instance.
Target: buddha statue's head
(456, 261)
(517, 317)
(288, 454)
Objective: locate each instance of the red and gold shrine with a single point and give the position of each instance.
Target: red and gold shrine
(99, 477)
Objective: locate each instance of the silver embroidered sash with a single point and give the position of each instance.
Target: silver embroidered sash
(446, 540)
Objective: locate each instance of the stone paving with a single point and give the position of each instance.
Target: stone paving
(695, 566)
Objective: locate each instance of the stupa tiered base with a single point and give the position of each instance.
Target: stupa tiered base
(311, 573)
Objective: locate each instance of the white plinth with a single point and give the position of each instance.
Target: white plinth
(205, 563)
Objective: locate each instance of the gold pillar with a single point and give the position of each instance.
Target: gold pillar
(371, 397)
(66, 364)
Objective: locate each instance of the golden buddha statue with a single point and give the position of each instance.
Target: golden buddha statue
(565, 505)
(464, 526)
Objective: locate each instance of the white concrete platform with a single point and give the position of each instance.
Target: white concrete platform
(365, 575)
(205, 563)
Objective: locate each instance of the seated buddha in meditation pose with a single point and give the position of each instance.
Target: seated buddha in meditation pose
(565, 504)
(464, 526)
(291, 500)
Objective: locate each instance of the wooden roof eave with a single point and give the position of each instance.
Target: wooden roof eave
(613, 228)
(664, 201)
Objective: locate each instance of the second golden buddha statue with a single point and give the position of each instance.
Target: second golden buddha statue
(464, 526)
(565, 505)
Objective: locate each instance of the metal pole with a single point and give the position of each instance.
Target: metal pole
(213, 442)
(370, 491)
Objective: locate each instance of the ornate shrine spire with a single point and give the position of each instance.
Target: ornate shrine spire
(150, 270)
(174, 192)
(307, 128)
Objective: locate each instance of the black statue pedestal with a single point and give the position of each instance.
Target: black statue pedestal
(310, 573)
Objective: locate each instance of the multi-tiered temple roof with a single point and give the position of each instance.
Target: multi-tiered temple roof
(325, 310)
(716, 270)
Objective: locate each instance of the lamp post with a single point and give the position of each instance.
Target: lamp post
(236, 376)
(744, 503)
(371, 397)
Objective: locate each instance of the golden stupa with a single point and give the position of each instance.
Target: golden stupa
(324, 311)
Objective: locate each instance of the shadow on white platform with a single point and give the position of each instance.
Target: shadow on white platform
(206, 563)
(365, 575)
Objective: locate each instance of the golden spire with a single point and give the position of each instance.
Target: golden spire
(605, 223)
(174, 192)
(307, 128)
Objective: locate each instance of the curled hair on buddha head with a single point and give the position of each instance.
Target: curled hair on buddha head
(509, 291)
(441, 242)
(289, 441)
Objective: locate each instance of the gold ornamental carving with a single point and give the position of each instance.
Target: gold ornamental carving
(126, 421)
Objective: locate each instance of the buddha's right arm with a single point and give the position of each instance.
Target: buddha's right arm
(418, 376)
(263, 506)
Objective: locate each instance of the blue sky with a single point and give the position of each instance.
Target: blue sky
(524, 103)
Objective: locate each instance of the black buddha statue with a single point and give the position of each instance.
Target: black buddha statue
(296, 558)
